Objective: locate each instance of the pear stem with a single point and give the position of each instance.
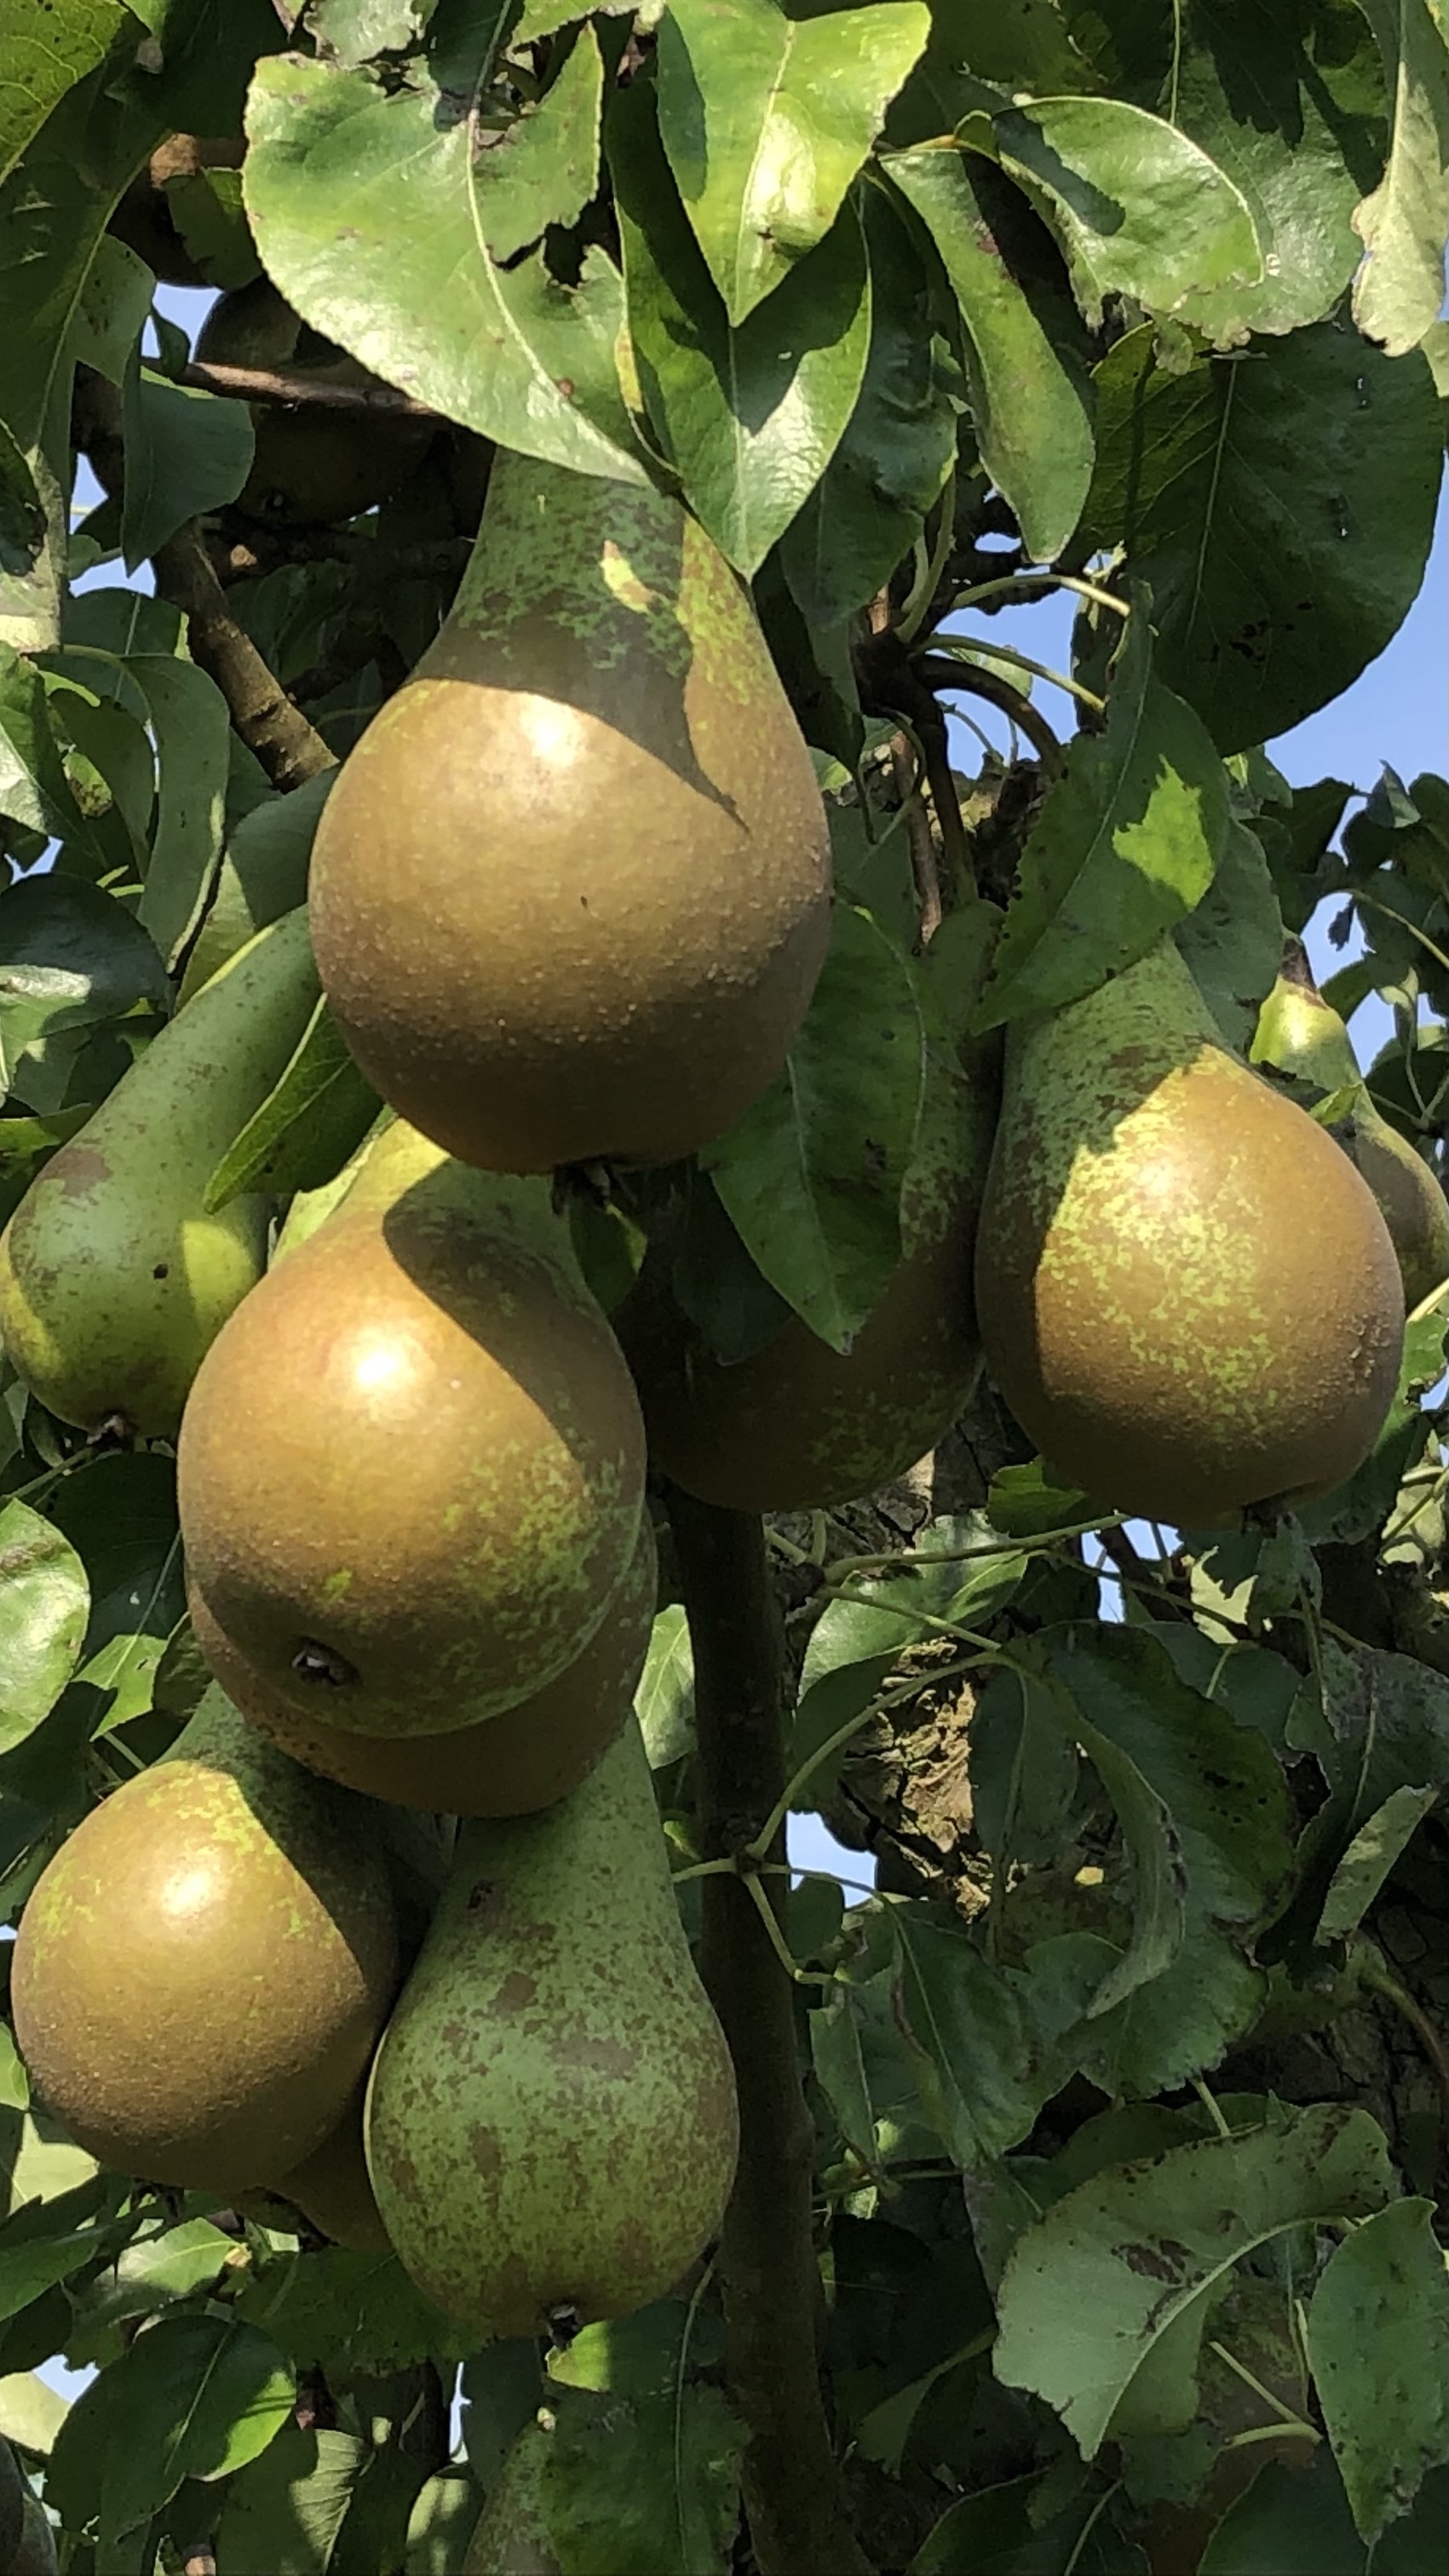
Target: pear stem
(769, 2273)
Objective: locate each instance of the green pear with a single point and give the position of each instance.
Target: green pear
(551, 2121)
(202, 1971)
(411, 1471)
(332, 2188)
(1187, 1294)
(571, 891)
(1302, 1033)
(511, 2534)
(113, 1280)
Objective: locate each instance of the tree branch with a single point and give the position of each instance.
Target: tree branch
(768, 2267)
(303, 389)
(970, 677)
(289, 748)
(269, 723)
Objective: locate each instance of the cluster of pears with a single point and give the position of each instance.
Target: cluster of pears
(568, 902)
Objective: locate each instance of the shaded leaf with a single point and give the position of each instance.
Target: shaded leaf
(364, 210)
(309, 1125)
(1093, 2285)
(1233, 939)
(749, 417)
(811, 1176)
(284, 2510)
(1280, 507)
(1368, 1859)
(71, 957)
(1378, 2344)
(899, 443)
(1030, 401)
(766, 120)
(186, 452)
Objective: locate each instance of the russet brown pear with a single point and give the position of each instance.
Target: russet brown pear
(570, 894)
(202, 1971)
(411, 1471)
(1187, 1294)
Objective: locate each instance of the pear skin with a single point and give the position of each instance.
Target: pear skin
(333, 2189)
(113, 1281)
(512, 1764)
(202, 1971)
(411, 1471)
(1302, 1033)
(551, 2120)
(510, 2537)
(571, 891)
(1187, 1294)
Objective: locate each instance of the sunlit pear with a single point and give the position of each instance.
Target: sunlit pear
(571, 891)
(411, 1470)
(1187, 1294)
(202, 1971)
(512, 1764)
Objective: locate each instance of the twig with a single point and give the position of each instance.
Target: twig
(269, 722)
(998, 693)
(305, 390)
(924, 872)
(768, 2268)
(288, 747)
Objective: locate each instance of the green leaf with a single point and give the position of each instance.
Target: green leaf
(1399, 291)
(186, 452)
(196, 2396)
(1369, 1858)
(750, 417)
(1289, 106)
(71, 957)
(307, 1127)
(766, 121)
(120, 1516)
(1024, 1771)
(1124, 847)
(1294, 2521)
(644, 2470)
(1233, 939)
(664, 1700)
(111, 310)
(1024, 1503)
(811, 1176)
(44, 1603)
(22, 513)
(43, 58)
(191, 724)
(27, 2269)
(1138, 209)
(543, 169)
(284, 2510)
(441, 2524)
(1094, 2285)
(1378, 2345)
(1224, 1792)
(1280, 506)
(31, 2413)
(983, 2065)
(366, 214)
(1030, 403)
(351, 2312)
(263, 874)
(835, 2055)
(33, 785)
(898, 447)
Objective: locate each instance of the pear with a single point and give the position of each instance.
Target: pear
(332, 2187)
(313, 465)
(1187, 1295)
(797, 1426)
(202, 1971)
(1302, 1033)
(411, 1471)
(113, 1282)
(514, 1763)
(551, 2121)
(510, 2537)
(571, 891)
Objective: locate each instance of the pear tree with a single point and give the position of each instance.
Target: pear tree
(698, 1143)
